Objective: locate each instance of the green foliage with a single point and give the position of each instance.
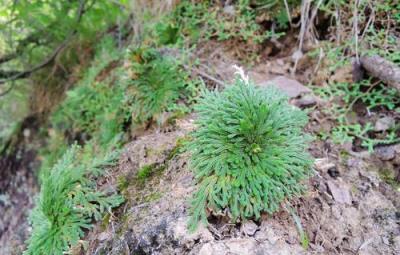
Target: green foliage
(34, 27)
(381, 37)
(13, 108)
(377, 34)
(31, 32)
(157, 85)
(96, 111)
(90, 111)
(144, 172)
(249, 152)
(192, 21)
(93, 105)
(274, 8)
(344, 96)
(68, 201)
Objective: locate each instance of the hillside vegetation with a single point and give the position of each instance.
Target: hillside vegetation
(253, 95)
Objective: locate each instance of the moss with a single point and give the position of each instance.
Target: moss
(179, 147)
(122, 183)
(344, 155)
(389, 177)
(105, 221)
(144, 173)
(124, 226)
(147, 172)
(152, 197)
(178, 114)
(154, 151)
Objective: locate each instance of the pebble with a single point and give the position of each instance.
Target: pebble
(249, 228)
(306, 100)
(385, 153)
(290, 87)
(323, 164)
(230, 10)
(340, 192)
(384, 124)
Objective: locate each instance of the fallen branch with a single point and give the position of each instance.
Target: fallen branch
(177, 54)
(209, 77)
(383, 69)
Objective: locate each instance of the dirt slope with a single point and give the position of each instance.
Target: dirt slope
(347, 209)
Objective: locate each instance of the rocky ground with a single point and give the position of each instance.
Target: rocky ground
(348, 208)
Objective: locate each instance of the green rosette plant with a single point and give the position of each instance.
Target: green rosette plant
(248, 152)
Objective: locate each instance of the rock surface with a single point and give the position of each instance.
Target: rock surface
(384, 124)
(249, 228)
(289, 86)
(343, 214)
(386, 153)
(340, 192)
(306, 100)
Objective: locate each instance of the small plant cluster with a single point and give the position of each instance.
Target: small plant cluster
(157, 85)
(344, 96)
(249, 152)
(68, 201)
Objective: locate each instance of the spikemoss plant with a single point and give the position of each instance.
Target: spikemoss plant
(249, 152)
(158, 85)
(68, 201)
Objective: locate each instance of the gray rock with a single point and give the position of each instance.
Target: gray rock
(385, 153)
(340, 192)
(272, 237)
(306, 100)
(323, 164)
(103, 236)
(261, 236)
(180, 232)
(209, 249)
(249, 228)
(234, 246)
(396, 243)
(241, 246)
(290, 87)
(249, 246)
(229, 9)
(384, 124)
